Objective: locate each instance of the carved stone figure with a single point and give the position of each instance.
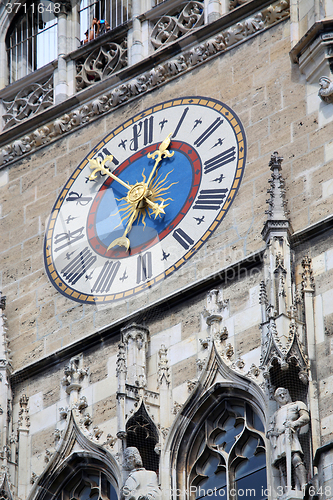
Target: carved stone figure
(288, 421)
(326, 89)
(141, 484)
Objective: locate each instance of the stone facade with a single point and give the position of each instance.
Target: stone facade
(251, 311)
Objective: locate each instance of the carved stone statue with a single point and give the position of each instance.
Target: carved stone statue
(141, 484)
(326, 89)
(288, 421)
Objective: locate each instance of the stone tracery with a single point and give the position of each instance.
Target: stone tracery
(171, 27)
(148, 80)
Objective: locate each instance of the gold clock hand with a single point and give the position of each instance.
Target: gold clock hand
(157, 208)
(98, 166)
(160, 153)
(123, 241)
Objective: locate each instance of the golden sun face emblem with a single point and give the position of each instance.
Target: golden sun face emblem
(142, 198)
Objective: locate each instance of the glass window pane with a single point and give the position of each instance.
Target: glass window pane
(217, 481)
(29, 44)
(252, 486)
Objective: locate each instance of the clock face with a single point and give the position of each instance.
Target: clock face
(145, 199)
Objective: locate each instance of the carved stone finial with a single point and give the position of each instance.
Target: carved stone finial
(110, 440)
(205, 342)
(74, 375)
(2, 302)
(263, 301)
(229, 352)
(277, 203)
(277, 214)
(24, 419)
(200, 364)
(121, 359)
(307, 275)
(163, 366)
(326, 90)
(176, 408)
(213, 311)
(191, 385)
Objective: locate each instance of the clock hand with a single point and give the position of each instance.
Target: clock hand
(157, 208)
(123, 241)
(160, 153)
(98, 166)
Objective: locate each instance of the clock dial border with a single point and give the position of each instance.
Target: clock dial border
(239, 134)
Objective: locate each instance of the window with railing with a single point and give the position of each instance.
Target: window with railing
(98, 17)
(31, 40)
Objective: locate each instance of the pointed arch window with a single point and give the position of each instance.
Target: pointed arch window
(227, 457)
(31, 40)
(88, 484)
(143, 435)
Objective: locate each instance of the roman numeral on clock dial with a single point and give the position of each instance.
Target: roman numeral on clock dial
(220, 160)
(144, 267)
(184, 239)
(106, 277)
(78, 266)
(210, 199)
(208, 132)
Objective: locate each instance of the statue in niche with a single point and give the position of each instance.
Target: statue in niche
(141, 484)
(288, 421)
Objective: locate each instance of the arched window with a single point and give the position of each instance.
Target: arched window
(88, 484)
(108, 13)
(143, 435)
(227, 457)
(32, 37)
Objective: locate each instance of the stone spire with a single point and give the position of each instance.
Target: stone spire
(277, 214)
(282, 333)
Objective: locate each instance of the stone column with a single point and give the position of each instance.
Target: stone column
(308, 292)
(214, 9)
(135, 47)
(60, 74)
(23, 448)
(121, 371)
(3, 62)
(5, 392)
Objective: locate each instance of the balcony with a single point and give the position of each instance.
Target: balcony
(121, 64)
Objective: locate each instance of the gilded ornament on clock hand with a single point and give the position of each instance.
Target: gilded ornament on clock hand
(142, 196)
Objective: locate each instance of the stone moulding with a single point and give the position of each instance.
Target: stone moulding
(144, 82)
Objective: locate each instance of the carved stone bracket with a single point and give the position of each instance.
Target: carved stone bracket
(158, 75)
(314, 55)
